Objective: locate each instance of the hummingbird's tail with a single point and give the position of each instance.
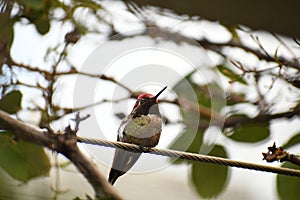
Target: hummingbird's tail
(123, 161)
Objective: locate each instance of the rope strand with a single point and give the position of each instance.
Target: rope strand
(192, 156)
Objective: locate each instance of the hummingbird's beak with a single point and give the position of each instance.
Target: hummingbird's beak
(156, 96)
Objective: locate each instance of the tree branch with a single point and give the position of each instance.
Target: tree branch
(235, 120)
(279, 154)
(215, 46)
(257, 52)
(65, 144)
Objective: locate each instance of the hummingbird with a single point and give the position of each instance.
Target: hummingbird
(141, 127)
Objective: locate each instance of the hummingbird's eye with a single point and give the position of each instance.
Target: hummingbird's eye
(142, 100)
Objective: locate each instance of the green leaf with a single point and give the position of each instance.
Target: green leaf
(5, 190)
(288, 186)
(37, 12)
(188, 141)
(11, 102)
(40, 20)
(276, 55)
(209, 97)
(235, 98)
(253, 132)
(32, 4)
(233, 31)
(42, 25)
(22, 160)
(231, 74)
(191, 138)
(292, 141)
(210, 179)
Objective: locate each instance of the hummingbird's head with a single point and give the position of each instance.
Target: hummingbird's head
(146, 100)
(142, 98)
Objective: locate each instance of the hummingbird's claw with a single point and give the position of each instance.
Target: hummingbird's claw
(145, 149)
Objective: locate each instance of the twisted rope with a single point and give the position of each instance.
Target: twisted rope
(192, 156)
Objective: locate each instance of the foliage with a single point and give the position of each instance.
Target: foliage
(11, 102)
(209, 179)
(286, 186)
(22, 160)
(215, 177)
(226, 71)
(292, 141)
(251, 133)
(41, 13)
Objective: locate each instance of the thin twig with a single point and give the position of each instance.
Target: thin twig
(19, 83)
(261, 102)
(98, 76)
(77, 121)
(11, 63)
(257, 41)
(286, 46)
(51, 89)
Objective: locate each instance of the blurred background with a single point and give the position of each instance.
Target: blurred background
(232, 71)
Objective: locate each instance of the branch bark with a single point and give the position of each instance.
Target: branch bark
(235, 120)
(279, 154)
(214, 46)
(65, 144)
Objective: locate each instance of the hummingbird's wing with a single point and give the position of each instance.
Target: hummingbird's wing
(122, 162)
(143, 131)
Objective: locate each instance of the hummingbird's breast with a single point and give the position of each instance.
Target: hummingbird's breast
(144, 130)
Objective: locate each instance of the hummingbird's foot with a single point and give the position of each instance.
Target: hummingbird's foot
(145, 149)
